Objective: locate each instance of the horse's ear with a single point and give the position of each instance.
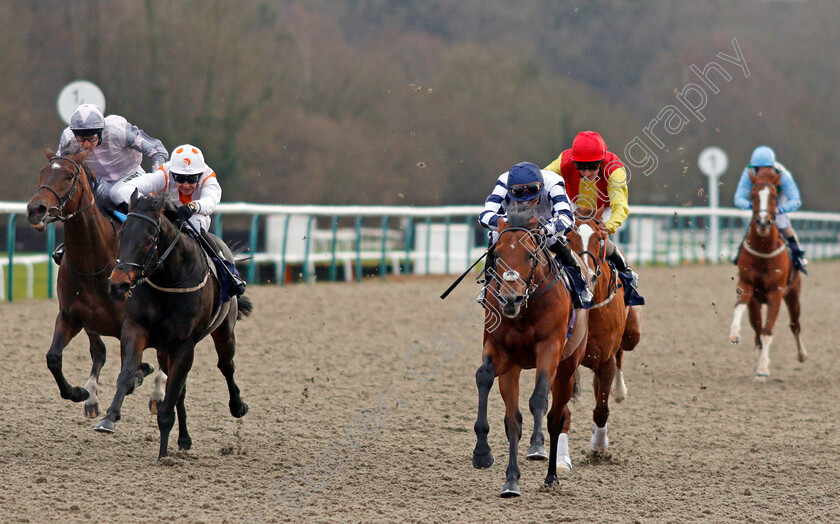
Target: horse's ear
(753, 177)
(502, 224)
(600, 213)
(135, 196)
(49, 153)
(169, 210)
(584, 212)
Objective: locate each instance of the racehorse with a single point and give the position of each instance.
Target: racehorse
(65, 196)
(529, 323)
(612, 328)
(174, 304)
(766, 275)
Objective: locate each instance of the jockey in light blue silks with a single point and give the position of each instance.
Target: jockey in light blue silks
(546, 191)
(788, 200)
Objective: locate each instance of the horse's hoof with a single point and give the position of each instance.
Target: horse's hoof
(483, 461)
(153, 406)
(91, 410)
(761, 377)
(550, 480)
(184, 443)
(511, 489)
(105, 426)
(146, 370)
(803, 356)
(537, 452)
(239, 413)
(734, 340)
(78, 394)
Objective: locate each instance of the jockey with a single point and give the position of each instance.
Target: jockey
(115, 151)
(191, 183)
(788, 200)
(525, 182)
(596, 178)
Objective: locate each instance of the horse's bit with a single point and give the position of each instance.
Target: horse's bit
(511, 276)
(144, 275)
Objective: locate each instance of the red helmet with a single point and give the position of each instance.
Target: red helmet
(588, 147)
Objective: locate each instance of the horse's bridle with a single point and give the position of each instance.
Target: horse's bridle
(757, 218)
(602, 252)
(62, 201)
(510, 276)
(144, 272)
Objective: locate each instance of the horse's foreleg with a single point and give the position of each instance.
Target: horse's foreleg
(792, 301)
(509, 388)
(538, 405)
(225, 342)
(619, 389)
(484, 377)
(159, 390)
(179, 367)
(602, 380)
(132, 343)
(774, 304)
(63, 333)
(97, 356)
(559, 422)
(184, 440)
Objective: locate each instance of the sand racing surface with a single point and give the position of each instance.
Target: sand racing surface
(339, 430)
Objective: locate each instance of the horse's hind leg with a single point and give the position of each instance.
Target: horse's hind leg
(602, 380)
(538, 405)
(744, 297)
(132, 343)
(179, 367)
(619, 388)
(159, 390)
(484, 377)
(629, 340)
(792, 301)
(225, 342)
(64, 332)
(97, 355)
(559, 422)
(774, 303)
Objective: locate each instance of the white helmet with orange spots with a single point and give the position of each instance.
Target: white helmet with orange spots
(187, 160)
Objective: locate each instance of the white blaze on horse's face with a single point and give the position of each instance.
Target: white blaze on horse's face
(763, 204)
(56, 166)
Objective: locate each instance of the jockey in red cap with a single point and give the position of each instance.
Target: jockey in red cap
(596, 178)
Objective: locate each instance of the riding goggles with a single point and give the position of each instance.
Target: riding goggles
(522, 190)
(186, 179)
(587, 166)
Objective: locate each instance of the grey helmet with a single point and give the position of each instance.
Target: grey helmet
(87, 120)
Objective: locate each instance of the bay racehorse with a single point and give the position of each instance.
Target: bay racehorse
(530, 323)
(612, 328)
(766, 275)
(65, 196)
(174, 303)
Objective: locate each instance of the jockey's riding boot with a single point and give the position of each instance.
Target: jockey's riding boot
(58, 254)
(237, 283)
(489, 268)
(581, 296)
(799, 260)
(621, 264)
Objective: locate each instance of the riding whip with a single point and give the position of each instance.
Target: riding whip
(459, 279)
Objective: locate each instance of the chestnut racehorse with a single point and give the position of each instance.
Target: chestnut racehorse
(527, 325)
(65, 196)
(766, 275)
(613, 327)
(174, 304)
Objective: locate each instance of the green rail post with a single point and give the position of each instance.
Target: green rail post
(252, 245)
(283, 250)
(428, 242)
(680, 236)
(447, 220)
(334, 228)
(409, 239)
(470, 240)
(306, 274)
(359, 248)
(11, 277)
(217, 226)
(50, 247)
(653, 240)
(668, 234)
(383, 264)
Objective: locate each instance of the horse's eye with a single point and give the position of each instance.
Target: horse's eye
(150, 241)
(69, 176)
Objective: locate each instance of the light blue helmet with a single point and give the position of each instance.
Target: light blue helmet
(763, 156)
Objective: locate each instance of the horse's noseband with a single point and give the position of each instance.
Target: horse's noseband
(144, 273)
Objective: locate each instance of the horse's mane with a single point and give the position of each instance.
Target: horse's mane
(520, 214)
(152, 204)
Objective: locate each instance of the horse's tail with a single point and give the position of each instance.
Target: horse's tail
(245, 307)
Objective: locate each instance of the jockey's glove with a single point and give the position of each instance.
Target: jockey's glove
(185, 212)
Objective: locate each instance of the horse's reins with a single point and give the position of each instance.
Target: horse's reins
(144, 275)
(61, 217)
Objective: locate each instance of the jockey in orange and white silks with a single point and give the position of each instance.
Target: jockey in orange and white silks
(190, 182)
(115, 148)
(525, 182)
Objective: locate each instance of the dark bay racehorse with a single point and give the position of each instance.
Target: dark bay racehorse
(612, 330)
(529, 311)
(174, 304)
(65, 195)
(766, 275)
